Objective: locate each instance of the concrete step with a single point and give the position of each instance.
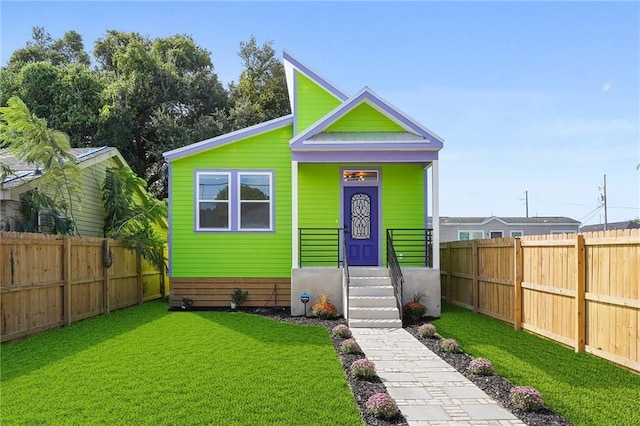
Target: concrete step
(375, 323)
(371, 290)
(363, 281)
(372, 301)
(368, 271)
(373, 313)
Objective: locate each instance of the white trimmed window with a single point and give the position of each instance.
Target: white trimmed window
(234, 201)
(516, 234)
(470, 235)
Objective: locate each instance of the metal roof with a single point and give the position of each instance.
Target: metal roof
(539, 220)
(24, 172)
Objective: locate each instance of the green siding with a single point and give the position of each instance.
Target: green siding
(319, 195)
(364, 118)
(312, 102)
(233, 254)
(401, 196)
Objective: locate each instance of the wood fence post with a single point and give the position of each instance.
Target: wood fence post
(106, 297)
(66, 278)
(448, 288)
(517, 284)
(139, 278)
(475, 285)
(580, 314)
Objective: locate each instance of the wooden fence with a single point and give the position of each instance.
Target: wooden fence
(582, 290)
(48, 281)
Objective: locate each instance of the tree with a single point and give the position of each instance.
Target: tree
(261, 93)
(160, 95)
(28, 138)
(53, 79)
(131, 213)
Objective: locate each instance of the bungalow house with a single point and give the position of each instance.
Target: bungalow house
(473, 228)
(89, 215)
(327, 199)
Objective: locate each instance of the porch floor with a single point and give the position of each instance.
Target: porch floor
(428, 391)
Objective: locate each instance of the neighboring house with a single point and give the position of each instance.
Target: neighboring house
(89, 214)
(262, 208)
(627, 224)
(473, 228)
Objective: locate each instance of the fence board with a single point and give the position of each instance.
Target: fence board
(47, 281)
(581, 289)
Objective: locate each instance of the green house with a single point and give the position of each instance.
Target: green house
(339, 197)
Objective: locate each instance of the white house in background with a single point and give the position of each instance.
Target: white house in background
(474, 228)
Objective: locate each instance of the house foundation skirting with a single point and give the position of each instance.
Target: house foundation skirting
(216, 292)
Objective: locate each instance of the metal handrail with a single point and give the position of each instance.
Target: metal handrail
(397, 280)
(319, 246)
(345, 266)
(414, 246)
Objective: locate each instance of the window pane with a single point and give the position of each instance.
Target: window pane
(255, 216)
(463, 236)
(214, 215)
(214, 187)
(254, 187)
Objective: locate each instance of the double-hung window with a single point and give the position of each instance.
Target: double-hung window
(255, 201)
(212, 212)
(234, 201)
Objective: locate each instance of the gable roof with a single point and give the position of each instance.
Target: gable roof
(291, 64)
(26, 172)
(540, 220)
(228, 138)
(415, 132)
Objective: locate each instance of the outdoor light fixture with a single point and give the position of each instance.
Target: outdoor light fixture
(304, 298)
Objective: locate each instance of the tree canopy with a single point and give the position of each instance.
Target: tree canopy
(142, 95)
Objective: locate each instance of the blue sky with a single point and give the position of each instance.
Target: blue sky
(529, 96)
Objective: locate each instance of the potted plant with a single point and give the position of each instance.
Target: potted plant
(415, 310)
(238, 297)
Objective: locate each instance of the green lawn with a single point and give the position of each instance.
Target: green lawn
(585, 389)
(144, 365)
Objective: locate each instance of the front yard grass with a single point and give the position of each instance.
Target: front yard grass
(147, 366)
(583, 388)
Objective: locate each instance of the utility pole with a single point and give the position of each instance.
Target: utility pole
(526, 202)
(603, 198)
(605, 202)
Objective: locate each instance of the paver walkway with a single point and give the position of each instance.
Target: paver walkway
(427, 390)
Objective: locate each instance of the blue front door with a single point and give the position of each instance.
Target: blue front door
(361, 224)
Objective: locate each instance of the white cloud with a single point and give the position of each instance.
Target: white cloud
(607, 86)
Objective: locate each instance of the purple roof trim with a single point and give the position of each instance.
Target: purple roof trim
(314, 76)
(364, 156)
(366, 95)
(228, 138)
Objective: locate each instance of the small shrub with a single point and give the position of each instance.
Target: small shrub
(526, 398)
(415, 308)
(450, 345)
(363, 369)
(481, 367)
(239, 296)
(427, 331)
(349, 346)
(323, 308)
(341, 330)
(382, 406)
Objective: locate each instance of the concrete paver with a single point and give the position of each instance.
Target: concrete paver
(428, 391)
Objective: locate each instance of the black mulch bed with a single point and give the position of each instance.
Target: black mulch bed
(495, 386)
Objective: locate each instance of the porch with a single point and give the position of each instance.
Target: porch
(367, 296)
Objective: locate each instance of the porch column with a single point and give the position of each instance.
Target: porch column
(435, 210)
(294, 214)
